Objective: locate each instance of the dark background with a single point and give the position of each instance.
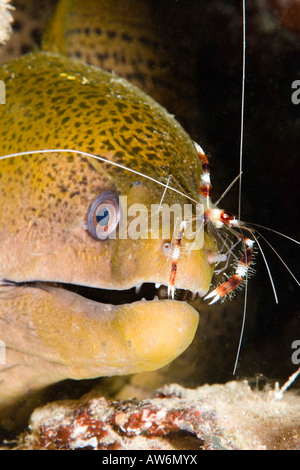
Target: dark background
(270, 187)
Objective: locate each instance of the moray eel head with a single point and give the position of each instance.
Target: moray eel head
(72, 301)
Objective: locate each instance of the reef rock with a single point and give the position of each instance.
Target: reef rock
(211, 417)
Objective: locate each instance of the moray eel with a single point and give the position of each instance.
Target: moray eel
(68, 302)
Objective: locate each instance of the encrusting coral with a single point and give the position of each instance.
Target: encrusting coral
(210, 417)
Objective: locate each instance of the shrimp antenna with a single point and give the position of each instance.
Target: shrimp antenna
(278, 255)
(240, 175)
(267, 267)
(102, 159)
(228, 188)
(242, 109)
(274, 231)
(243, 326)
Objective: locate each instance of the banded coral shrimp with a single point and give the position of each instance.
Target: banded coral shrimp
(267, 138)
(269, 344)
(268, 88)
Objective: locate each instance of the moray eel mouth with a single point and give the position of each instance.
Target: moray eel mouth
(76, 331)
(147, 291)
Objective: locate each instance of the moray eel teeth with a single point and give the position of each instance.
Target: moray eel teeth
(146, 291)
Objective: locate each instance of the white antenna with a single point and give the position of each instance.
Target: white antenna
(240, 180)
(243, 326)
(242, 109)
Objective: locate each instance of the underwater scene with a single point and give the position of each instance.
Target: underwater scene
(149, 232)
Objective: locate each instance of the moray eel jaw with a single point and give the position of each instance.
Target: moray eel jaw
(85, 338)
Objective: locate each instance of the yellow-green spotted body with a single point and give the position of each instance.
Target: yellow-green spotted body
(52, 333)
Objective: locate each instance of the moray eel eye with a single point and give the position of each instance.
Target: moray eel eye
(103, 215)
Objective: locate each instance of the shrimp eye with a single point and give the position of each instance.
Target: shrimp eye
(226, 217)
(103, 215)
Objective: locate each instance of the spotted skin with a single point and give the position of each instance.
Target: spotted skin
(143, 50)
(71, 99)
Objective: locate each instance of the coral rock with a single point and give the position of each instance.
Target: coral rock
(230, 416)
